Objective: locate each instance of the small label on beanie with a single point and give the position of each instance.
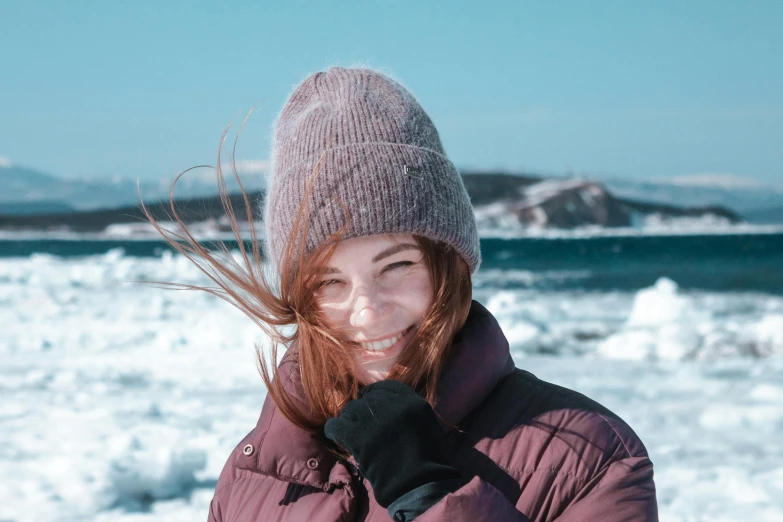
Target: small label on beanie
(412, 172)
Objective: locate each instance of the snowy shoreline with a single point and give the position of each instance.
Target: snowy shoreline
(532, 233)
(112, 411)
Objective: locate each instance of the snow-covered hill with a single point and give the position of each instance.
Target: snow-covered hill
(578, 203)
(504, 202)
(22, 185)
(743, 196)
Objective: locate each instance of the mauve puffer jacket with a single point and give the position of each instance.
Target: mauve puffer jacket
(531, 451)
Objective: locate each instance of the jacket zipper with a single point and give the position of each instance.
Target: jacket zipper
(354, 470)
(360, 492)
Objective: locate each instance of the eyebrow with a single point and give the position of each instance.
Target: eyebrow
(382, 255)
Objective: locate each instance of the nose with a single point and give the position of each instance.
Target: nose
(366, 311)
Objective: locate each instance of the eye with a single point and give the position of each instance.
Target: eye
(327, 283)
(397, 265)
(392, 266)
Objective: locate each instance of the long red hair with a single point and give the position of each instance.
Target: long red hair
(324, 355)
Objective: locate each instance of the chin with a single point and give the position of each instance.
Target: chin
(368, 377)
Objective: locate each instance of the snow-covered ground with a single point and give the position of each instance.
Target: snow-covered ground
(121, 402)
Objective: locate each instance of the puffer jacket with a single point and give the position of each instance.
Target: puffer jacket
(530, 450)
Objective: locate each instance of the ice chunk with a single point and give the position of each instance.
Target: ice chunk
(151, 469)
(662, 325)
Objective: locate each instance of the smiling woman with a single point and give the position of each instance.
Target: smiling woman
(397, 395)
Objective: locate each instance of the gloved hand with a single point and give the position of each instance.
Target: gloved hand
(399, 445)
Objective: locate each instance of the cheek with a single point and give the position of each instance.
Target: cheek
(333, 314)
(415, 292)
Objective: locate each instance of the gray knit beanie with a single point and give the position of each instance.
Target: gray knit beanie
(379, 153)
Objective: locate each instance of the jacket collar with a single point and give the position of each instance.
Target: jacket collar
(480, 358)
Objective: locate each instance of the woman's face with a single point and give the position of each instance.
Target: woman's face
(379, 290)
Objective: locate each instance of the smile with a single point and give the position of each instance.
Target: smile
(385, 344)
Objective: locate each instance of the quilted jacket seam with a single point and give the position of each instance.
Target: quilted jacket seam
(643, 457)
(223, 488)
(260, 475)
(555, 471)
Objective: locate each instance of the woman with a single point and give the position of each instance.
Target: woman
(397, 397)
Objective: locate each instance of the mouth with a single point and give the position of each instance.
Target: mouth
(386, 344)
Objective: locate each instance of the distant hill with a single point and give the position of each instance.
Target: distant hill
(491, 187)
(743, 199)
(502, 201)
(765, 216)
(192, 210)
(21, 185)
(566, 203)
(24, 185)
(15, 178)
(34, 207)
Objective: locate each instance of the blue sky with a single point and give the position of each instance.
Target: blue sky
(605, 88)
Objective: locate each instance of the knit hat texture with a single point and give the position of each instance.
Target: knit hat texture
(379, 154)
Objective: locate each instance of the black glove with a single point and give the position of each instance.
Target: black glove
(399, 445)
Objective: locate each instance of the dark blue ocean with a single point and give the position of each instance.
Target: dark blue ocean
(717, 262)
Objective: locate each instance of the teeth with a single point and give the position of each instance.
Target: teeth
(382, 345)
